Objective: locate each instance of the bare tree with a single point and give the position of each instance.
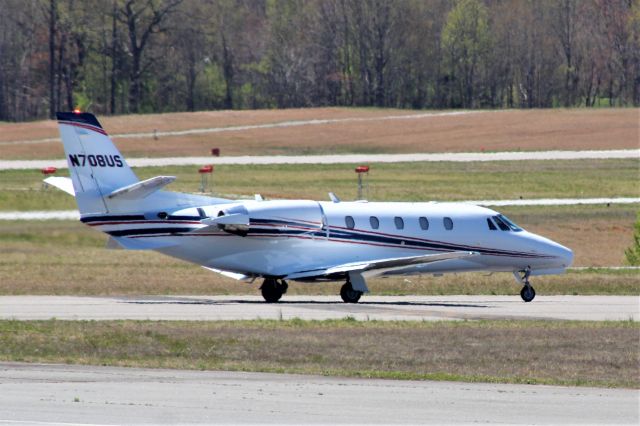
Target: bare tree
(142, 19)
(53, 18)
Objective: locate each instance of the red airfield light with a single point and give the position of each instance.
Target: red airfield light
(205, 171)
(215, 152)
(362, 170)
(47, 171)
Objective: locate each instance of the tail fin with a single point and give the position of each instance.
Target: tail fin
(102, 181)
(96, 166)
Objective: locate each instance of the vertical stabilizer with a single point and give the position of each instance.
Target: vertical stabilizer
(96, 166)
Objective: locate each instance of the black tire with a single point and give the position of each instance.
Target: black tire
(527, 293)
(349, 295)
(272, 291)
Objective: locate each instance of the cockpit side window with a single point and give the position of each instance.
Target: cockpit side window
(491, 225)
(503, 226)
(510, 224)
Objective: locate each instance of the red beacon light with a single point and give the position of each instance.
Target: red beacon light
(362, 169)
(206, 169)
(48, 170)
(77, 111)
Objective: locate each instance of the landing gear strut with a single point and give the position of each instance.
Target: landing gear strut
(273, 289)
(348, 294)
(527, 293)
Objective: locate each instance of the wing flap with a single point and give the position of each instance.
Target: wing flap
(381, 266)
(234, 275)
(137, 243)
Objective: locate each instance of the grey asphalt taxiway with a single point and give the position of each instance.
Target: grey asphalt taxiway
(420, 308)
(87, 395)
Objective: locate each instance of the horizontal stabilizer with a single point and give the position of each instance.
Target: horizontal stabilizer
(63, 183)
(381, 266)
(142, 189)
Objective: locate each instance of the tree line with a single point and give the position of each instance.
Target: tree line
(138, 56)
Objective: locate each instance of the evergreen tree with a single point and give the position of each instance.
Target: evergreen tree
(633, 253)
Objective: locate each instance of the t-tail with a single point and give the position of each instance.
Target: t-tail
(103, 183)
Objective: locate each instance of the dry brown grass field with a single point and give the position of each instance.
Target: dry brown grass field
(552, 352)
(508, 130)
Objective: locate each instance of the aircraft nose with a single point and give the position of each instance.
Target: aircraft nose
(559, 255)
(565, 254)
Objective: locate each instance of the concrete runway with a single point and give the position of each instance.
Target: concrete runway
(87, 395)
(420, 308)
(75, 214)
(345, 158)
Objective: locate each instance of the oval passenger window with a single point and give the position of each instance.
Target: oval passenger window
(350, 222)
(448, 223)
(424, 223)
(399, 222)
(375, 223)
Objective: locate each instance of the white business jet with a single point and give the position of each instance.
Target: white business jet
(300, 240)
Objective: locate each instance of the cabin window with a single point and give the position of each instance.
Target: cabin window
(350, 222)
(399, 222)
(503, 226)
(375, 223)
(491, 225)
(424, 223)
(448, 223)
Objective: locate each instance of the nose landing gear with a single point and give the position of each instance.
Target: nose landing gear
(273, 289)
(528, 293)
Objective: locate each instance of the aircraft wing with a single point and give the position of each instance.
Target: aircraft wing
(234, 275)
(381, 266)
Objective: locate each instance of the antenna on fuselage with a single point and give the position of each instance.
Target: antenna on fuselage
(333, 197)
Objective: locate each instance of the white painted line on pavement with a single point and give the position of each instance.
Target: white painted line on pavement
(554, 202)
(75, 215)
(347, 158)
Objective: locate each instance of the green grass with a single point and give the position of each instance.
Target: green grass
(446, 181)
(602, 354)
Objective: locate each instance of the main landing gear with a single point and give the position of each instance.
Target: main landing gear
(348, 294)
(273, 289)
(527, 293)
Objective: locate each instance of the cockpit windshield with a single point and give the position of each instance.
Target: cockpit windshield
(510, 224)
